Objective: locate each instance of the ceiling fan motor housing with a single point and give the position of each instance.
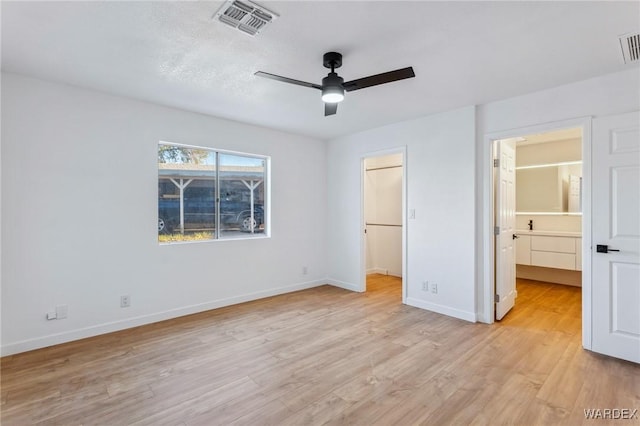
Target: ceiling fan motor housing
(332, 80)
(332, 60)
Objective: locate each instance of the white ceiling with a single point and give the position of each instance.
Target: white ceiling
(173, 53)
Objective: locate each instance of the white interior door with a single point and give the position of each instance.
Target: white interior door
(505, 209)
(616, 226)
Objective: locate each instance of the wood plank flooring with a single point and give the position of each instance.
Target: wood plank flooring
(328, 356)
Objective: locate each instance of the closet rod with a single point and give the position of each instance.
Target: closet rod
(381, 224)
(382, 168)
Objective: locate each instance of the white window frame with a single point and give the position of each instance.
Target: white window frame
(267, 194)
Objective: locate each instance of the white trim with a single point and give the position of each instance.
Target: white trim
(109, 327)
(363, 264)
(441, 309)
(587, 284)
(377, 271)
(487, 226)
(257, 236)
(344, 285)
(208, 148)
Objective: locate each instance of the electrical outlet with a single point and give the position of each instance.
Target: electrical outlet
(125, 301)
(425, 285)
(61, 311)
(434, 288)
(305, 270)
(51, 316)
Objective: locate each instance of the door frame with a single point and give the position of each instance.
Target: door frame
(488, 240)
(363, 249)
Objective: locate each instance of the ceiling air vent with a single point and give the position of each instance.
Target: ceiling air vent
(245, 16)
(630, 44)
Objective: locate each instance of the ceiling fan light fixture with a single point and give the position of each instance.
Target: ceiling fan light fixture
(332, 90)
(333, 95)
(333, 86)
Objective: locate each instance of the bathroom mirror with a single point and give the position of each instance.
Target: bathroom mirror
(549, 188)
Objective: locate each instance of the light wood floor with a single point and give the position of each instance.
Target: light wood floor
(328, 356)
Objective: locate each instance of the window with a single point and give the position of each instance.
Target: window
(205, 194)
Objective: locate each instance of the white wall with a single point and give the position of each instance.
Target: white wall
(610, 94)
(79, 211)
(383, 210)
(440, 187)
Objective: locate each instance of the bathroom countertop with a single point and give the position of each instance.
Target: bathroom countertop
(549, 233)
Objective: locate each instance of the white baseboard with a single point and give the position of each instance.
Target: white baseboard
(68, 336)
(441, 309)
(384, 271)
(483, 317)
(344, 285)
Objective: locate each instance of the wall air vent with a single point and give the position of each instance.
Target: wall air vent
(244, 15)
(630, 44)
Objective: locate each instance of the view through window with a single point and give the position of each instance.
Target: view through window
(205, 194)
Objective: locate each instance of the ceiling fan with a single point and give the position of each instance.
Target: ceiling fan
(333, 86)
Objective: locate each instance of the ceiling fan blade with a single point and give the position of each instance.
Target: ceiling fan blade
(374, 80)
(330, 109)
(287, 80)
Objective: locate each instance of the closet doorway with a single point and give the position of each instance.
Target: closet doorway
(383, 189)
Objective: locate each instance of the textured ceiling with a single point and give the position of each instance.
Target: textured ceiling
(173, 53)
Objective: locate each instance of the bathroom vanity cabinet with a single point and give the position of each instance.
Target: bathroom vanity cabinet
(559, 250)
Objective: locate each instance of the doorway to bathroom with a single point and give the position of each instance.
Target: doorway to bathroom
(538, 187)
(383, 240)
(609, 256)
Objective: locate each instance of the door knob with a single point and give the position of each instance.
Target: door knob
(603, 248)
(514, 237)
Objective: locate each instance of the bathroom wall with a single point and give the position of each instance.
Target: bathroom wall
(547, 189)
(549, 152)
(564, 222)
